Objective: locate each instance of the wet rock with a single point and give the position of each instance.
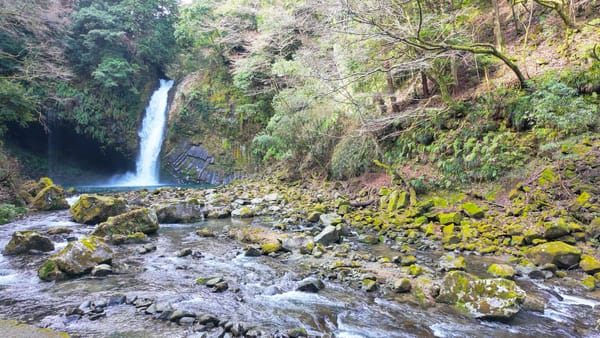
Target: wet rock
(329, 235)
(147, 248)
(58, 231)
(534, 304)
(102, 270)
(184, 252)
(23, 242)
(401, 285)
(140, 220)
(297, 332)
(75, 259)
(501, 271)
(496, 299)
(559, 253)
(311, 284)
(186, 321)
(205, 232)
(116, 300)
(93, 209)
(50, 198)
(313, 216)
(369, 285)
(188, 211)
(134, 238)
(452, 263)
(252, 252)
(179, 314)
(217, 284)
(207, 319)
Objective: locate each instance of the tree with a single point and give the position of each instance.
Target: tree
(408, 23)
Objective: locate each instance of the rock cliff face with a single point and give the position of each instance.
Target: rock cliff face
(190, 163)
(184, 156)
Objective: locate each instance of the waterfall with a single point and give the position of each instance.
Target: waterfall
(151, 139)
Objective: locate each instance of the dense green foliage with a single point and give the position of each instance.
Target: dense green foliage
(118, 48)
(445, 89)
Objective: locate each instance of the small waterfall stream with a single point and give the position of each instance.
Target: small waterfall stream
(151, 139)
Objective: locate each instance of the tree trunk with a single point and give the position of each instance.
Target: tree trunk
(425, 85)
(498, 26)
(391, 88)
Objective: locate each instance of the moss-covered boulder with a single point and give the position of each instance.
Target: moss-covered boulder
(473, 210)
(76, 259)
(30, 189)
(495, 299)
(243, 212)
(592, 231)
(139, 220)
(188, 211)
(589, 264)
(93, 209)
(24, 241)
(556, 229)
(501, 271)
(450, 218)
(559, 253)
(50, 198)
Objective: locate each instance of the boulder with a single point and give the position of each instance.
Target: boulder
(501, 271)
(556, 229)
(496, 299)
(189, 211)
(311, 284)
(330, 219)
(401, 285)
(243, 212)
(139, 220)
(329, 235)
(93, 209)
(559, 253)
(589, 264)
(450, 262)
(77, 258)
(24, 241)
(295, 242)
(473, 210)
(50, 198)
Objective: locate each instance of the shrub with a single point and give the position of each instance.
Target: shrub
(9, 213)
(352, 156)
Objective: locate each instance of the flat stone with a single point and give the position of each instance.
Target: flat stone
(102, 270)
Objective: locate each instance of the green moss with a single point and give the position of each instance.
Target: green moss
(270, 247)
(548, 176)
(47, 270)
(450, 218)
(501, 270)
(473, 210)
(583, 198)
(589, 283)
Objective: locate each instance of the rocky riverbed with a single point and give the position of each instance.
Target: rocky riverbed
(289, 259)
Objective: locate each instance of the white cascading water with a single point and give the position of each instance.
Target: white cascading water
(151, 139)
